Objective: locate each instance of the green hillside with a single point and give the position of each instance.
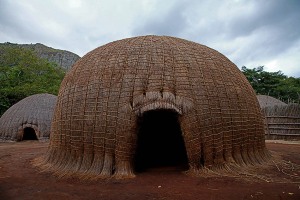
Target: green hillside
(23, 73)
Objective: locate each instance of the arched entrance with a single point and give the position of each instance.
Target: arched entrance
(160, 142)
(29, 134)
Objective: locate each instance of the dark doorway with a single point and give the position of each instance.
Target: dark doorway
(160, 142)
(29, 134)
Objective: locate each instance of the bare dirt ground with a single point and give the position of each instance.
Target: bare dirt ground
(20, 180)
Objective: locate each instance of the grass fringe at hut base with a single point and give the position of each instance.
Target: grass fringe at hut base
(101, 168)
(258, 172)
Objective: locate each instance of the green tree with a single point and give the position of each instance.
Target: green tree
(275, 84)
(23, 74)
(289, 89)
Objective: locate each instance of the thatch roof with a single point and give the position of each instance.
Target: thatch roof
(34, 112)
(265, 101)
(94, 129)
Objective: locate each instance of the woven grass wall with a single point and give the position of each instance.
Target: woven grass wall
(94, 129)
(283, 122)
(34, 112)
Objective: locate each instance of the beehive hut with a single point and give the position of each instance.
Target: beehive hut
(110, 101)
(268, 101)
(283, 121)
(28, 119)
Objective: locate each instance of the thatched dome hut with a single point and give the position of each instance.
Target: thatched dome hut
(30, 118)
(266, 101)
(111, 101)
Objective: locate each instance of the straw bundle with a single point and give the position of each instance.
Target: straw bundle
(283, 121)
(94, 129)
(32, 112)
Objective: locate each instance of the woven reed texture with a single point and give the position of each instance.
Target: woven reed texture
(35, 111)
(265, 101)
(94, 129)
(283, 122)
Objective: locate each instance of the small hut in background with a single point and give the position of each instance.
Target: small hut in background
(29, 119)
(267, 101)
(282, 121)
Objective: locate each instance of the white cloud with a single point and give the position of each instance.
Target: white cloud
(287, 59)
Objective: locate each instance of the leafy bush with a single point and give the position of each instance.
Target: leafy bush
(274, 84)
(22, 74)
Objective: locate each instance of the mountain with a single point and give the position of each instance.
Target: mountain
(62, 58)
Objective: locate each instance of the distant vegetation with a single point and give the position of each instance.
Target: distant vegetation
(274, 84)
(23, 73)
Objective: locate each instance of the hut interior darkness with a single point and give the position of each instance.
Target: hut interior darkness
(29, 134)
(29, 119)
(160, 142)
(154, 100)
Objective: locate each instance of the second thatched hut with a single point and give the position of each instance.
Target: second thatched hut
(29, 119)
(268, 101)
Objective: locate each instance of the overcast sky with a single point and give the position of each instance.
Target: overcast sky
(250, 33)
